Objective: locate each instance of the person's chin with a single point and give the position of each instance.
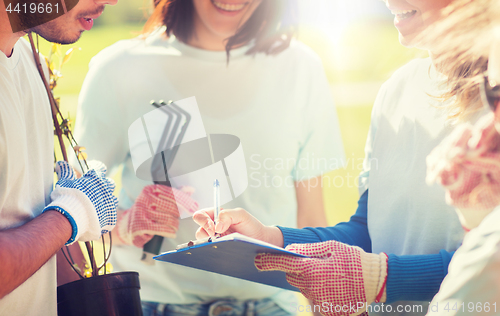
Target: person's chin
(70, 35)
(64, 40)
(71, 38)
(61, 35)
(407, 41)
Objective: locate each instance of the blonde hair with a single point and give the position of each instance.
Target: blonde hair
(462, 40)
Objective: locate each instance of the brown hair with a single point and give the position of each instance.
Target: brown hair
(272, 25)
(462, 54)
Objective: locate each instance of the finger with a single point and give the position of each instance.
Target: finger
(285, 263)
(320, 250)
(487, 136)
(204, 218)
(219, 228)
(316, 250)
(98, 166)
(203, 215)
(296, 280)
(109, 222)
(162, 229)
(164, 220)
(64, 171)
(148, 190)
(110, 184)
(232, 218)
(188, 190)
(115, 203)
(463, 136)
(164, 191)
(201, 233)
(180, 198)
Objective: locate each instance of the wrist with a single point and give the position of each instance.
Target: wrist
(69, 218)
(122, 229)
(79, 211)
(274, 236)
(117, 240)
(374, 276)
(60, 221)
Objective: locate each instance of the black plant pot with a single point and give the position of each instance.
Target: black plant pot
(115, 294)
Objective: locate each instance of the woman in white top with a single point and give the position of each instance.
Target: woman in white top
(251, 80)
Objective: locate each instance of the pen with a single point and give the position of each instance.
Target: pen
(192, 243)
(216, 203)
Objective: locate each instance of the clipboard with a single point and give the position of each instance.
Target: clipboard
(232, 255)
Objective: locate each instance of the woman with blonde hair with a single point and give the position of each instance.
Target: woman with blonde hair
(467, 164)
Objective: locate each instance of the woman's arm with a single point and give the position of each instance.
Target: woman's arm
(416, 277)
(410, 277)
(354, 232)
(310, 206)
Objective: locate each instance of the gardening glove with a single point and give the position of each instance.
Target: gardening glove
(341, 279)
(155, 212)
(467, 165)
(88, 202)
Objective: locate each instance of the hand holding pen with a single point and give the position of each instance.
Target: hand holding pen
(235, 221)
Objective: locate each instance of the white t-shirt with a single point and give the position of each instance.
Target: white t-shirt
(26, 164)
(472, 286)
(280, 106)
(406, 216)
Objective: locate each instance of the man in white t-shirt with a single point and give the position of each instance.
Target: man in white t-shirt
(36, 221)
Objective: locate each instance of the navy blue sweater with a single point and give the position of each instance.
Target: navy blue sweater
(410, 277)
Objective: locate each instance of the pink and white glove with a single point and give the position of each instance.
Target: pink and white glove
(155, 212)
(341, 279)
(467, 165)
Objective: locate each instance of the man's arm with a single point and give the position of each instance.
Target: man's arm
(310, 207)
(24, 249)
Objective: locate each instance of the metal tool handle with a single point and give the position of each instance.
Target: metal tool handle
(151, 249)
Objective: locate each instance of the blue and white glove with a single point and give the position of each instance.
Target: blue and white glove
(88, 202)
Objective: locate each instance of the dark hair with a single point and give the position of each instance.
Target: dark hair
(272, 24)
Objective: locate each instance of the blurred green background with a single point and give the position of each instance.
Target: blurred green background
(364, 55)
